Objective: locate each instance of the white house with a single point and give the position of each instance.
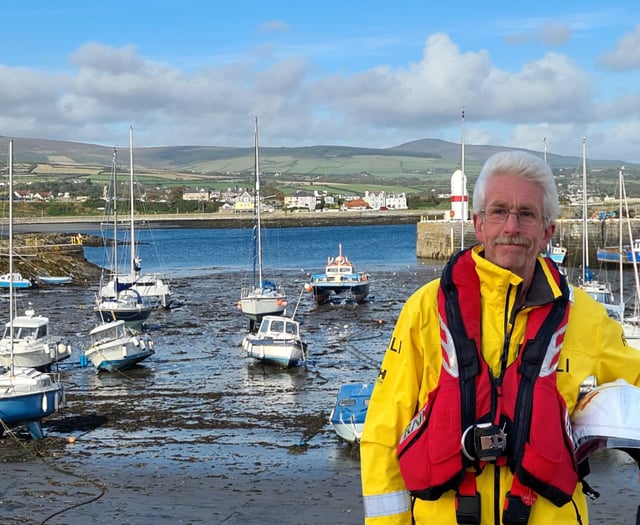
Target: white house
(300, 199)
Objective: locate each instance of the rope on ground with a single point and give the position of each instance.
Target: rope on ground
(100, 486)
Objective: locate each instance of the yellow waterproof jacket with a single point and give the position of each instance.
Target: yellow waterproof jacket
(594, 345)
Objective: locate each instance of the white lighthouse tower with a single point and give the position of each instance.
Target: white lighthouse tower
(459, 197)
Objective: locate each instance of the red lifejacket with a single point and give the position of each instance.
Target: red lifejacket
(524, 402)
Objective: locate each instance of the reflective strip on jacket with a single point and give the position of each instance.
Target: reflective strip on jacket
(594, 346)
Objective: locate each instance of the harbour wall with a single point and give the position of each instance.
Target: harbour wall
(439, 239)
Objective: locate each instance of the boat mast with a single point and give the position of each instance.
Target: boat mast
(462, 219)
(631, 242)
(585, 229)
(256, 205)
(621, 254)
(114, 170)
(132, 239)
(11, 255)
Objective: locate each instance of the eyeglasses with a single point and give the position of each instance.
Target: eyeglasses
(500, 214)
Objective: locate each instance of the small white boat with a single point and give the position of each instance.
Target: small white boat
(339, 277)
(350, 409)
(114, 347)
(53, 280)
(31, 344)
(277, 342)
(15, 280)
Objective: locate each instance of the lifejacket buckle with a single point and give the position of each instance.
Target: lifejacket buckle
(468, 509)
(489, 442)
(516, 511)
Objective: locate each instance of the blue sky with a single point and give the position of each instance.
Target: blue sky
(356, 73)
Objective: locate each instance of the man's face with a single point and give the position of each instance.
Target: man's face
(511, 244)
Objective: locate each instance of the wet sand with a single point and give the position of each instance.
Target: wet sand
(201, 434)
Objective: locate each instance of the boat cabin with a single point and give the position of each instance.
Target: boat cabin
(274, 326)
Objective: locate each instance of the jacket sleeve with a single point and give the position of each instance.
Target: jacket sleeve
(603, 339)
(408, 372)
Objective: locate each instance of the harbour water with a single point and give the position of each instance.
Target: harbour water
(193, 251)
(200, 409)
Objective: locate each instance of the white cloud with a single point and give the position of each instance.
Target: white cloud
(626, 55)
(298, 104)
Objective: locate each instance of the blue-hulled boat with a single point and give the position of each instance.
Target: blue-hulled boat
(339, 278)
(26, 394)
(348, 414)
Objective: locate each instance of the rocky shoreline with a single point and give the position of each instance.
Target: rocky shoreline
(51, 254)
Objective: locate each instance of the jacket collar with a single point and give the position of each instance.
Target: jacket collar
(496, 282)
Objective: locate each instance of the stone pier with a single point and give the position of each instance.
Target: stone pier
(439, 239)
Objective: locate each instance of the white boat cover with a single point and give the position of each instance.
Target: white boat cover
(607, 417)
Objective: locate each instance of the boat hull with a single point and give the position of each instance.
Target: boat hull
(612, 255)
(27, 397)
(133, 316)
(122, 363)
(118, 355)
(55, 281)
(40, 359)
(284, 354)
(256, 306)
(323, 292)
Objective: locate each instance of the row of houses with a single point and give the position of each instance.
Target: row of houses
(309, 201)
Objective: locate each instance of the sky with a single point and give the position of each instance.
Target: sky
(363, 73)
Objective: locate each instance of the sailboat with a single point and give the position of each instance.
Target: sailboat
(263, 296)
(153, 289)
(630, 325)
(600, 290)
(26, 395)
(127, 304)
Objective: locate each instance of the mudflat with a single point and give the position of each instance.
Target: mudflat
(198, 433)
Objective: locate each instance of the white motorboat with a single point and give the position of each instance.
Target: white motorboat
(31, 344)
(277, 342)
(114, 347)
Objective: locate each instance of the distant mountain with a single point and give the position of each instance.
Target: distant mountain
(28, 150)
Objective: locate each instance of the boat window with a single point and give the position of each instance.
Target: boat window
(366, 402)
(291, 329)
(277, 326)
(349, 402)
(42, 331)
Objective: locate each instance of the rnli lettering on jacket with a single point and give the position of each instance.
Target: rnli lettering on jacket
(518, 419)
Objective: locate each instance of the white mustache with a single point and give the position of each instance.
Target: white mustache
(515, 240)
